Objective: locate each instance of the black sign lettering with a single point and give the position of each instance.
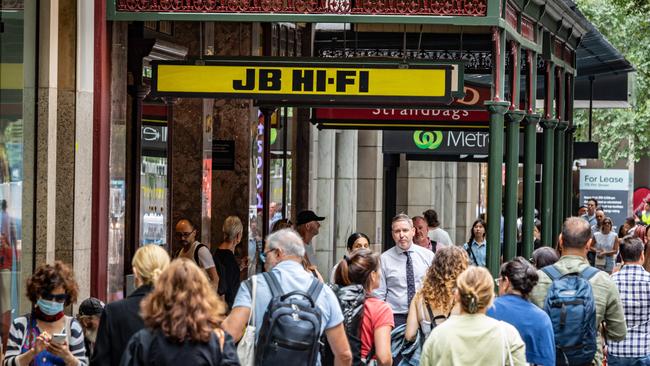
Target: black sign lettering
(270, 79)
(321, 76)
(250, 81)
(343, 80)
(363, 81)
(303, 80)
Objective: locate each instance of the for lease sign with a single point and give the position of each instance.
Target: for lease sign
(610, 187)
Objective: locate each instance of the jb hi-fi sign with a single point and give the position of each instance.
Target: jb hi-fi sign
(468, 112)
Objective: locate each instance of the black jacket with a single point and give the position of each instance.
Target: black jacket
(148, 347)
(120, 320)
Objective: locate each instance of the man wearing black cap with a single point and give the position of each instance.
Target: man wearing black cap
(307, 225)
(90, 311)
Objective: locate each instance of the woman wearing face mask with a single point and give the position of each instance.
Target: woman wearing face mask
(476, 245)
(31, 340)
(121, 319)
(355, 242)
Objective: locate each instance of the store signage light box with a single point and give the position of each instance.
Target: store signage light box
(326, 82)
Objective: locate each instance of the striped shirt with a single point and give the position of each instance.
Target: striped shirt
(18, 335)
(633, 283)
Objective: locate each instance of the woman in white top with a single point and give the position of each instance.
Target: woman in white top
(434, 302)
(606, 246)
(355, 242)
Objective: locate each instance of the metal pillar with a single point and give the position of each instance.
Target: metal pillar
(558, 179)
(495, 160)
(497, 109)
(568, 171)
(513, 119)
(266, 170)
(530, 165)
(547, 181)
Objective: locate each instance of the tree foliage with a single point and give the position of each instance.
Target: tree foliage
(622, 133)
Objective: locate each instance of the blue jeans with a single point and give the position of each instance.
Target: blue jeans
(628, 361)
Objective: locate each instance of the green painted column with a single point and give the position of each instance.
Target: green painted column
(530, 165)
(497, 111)
(547, 181)
(558, 179)
(513, 120)
(568, 171)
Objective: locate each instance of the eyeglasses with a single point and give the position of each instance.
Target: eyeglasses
(264, 254)
(182, 234)
(57, 298)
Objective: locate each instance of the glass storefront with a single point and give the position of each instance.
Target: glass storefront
(17, 110)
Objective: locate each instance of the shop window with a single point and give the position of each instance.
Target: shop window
(17, 109)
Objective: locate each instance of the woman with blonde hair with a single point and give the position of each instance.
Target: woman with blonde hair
(183, 318)
(433, 304)
(121, 319)
(473, 338)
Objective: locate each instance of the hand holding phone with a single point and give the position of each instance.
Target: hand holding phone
(58, 338)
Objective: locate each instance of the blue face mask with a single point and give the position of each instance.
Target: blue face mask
(50, 307)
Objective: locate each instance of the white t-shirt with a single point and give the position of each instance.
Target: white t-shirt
(440, 236)
(205, 258)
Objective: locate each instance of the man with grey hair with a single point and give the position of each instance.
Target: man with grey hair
(283, 258)
(633, 283)
(402, 268)
(574, 242)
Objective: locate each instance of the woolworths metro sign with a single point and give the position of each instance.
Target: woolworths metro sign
(437, 142)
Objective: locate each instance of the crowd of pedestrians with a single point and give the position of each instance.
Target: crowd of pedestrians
(424, 301)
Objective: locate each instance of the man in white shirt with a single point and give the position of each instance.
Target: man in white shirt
(195, 251)
(402, 268)
(436, 233)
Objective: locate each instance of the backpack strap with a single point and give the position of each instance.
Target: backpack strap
(315, 289)
(589, 272)
(196, 255)
(552, 272)
(471, 253)
(274, 285)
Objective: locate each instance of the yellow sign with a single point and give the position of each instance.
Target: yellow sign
(286, 83)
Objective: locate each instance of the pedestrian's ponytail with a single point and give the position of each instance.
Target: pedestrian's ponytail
(356, 269)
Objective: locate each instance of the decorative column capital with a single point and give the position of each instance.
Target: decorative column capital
(498, 107)
(571, 129)
(549, 124)
(515, 116)
(532, 119)
(562, 126)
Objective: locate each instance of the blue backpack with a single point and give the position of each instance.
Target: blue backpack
(570, 305)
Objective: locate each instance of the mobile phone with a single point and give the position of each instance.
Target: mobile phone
(58, 338)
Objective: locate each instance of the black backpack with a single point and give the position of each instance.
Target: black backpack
(351, 299)
(291, 326)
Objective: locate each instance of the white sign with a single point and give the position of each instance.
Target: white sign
(604, 179)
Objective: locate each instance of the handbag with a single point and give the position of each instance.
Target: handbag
(246, 346)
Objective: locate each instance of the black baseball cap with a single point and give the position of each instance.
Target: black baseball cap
(91, 306)
(307, 216)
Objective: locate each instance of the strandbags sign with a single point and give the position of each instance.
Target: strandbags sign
(310, 81)
(465, 112)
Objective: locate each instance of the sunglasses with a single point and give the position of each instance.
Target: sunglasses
(264, 254)
(56, 298)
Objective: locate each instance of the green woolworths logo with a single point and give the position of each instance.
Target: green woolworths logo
(427, 139)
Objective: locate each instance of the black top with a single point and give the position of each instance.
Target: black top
(228, 270)
(149, 347)
(120, 320)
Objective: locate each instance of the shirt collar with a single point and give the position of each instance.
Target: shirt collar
(400, 250)
(288, 264)
(479, 244)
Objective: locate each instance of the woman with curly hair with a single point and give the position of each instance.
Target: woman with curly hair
(46, 336)
(183, 318)
(473, 338)
(434, 302)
